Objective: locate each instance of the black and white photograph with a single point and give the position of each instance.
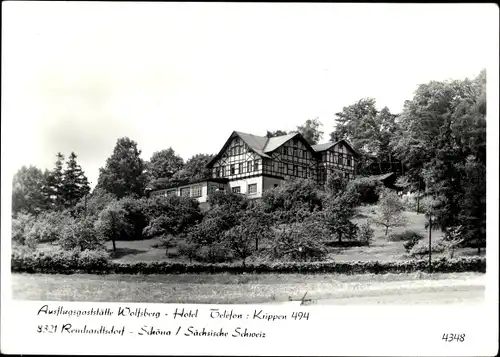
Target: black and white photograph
(314, 155)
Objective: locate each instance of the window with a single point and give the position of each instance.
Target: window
(256, 165)
(249, 166)
(346, 175)
(196, 191)
(232, 170)
(281, 168)
(295, 152)
(304, 154)
(185, 192)
(285, 152)
(252, 188)
(305, 172)
(341, 159)
(237, 189)
(212, 188)
(217, 172)
(240, 168)
(171, 193)
(238, 150)
(348, 160)
(223, 171)
(295, 170)
(289, 169)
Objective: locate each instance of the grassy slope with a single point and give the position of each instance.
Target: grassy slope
(380, 249)
(222, 288)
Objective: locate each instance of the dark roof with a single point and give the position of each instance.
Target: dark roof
(326, 146)
(381, 177)
(256, 143)
(275, 142)
(262, 145)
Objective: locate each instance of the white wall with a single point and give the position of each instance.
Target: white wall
(243, 184)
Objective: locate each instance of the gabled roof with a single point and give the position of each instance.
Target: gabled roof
(262, 145)
(256, 143)
(381, 177)
(326, 146)
(275, 142)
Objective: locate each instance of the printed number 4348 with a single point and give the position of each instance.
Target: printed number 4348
(450, 337)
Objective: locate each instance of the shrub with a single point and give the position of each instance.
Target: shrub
(216, 222)
(21, 224)
(338, 212)
(422, 248)
(424, 205)
(135, 218)
(367, 188)
(407, 235)
(300, 241)
(223, 198)
(187, 249)
(389, 210)
(47, 227)
(94, 203)
(171, 215)
(216, 252)
(293, 195)
(80, 233)
(61, 261)
(365, 233)
(97, 262)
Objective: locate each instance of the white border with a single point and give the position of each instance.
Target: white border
(362, 330)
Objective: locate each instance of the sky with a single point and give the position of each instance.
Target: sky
(77, 76)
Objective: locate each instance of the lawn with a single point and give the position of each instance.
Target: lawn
(230, 289)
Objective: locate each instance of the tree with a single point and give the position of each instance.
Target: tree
(55, 184)
(272, 134)
(164, 163)
(300, 240)
(292, 199)
(81, 234)
(94, 203)
(254, 225)
(338, 213)
(335, 183)
(390, 210)
(112, 223)
(28, 186)
(443, 138)
(310, 130)
(195, 168)
(370, 131)
(124, 173)
(75, 184)
(171, 216)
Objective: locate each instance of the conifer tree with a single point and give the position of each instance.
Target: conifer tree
(75, 184)
(54, 185)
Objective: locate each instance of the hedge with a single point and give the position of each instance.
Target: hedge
(346, 243)
(98, 263)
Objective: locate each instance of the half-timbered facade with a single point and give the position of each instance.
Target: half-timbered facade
(338, 156)
(251, 164)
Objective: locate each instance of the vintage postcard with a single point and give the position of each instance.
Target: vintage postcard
(249, 179)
